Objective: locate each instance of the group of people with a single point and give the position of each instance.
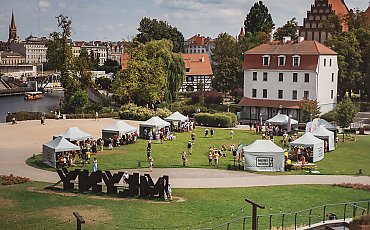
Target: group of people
(211, 132)
(187, 126)
(215, 154)
(160, 135)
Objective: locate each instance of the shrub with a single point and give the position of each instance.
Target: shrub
(133, 112)
(213, 97)
(233, 117)
(355, 186)
(25, 116)
(214, 120)
(237, 94)
(362, 220)
(10, 180)
(330, 116)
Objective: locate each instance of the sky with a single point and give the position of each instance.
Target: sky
(114, 20)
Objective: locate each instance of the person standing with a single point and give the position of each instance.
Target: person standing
(193, 137)
(95, 165)
(150, 161)
(183, 157)
(169, 194)
(231, 134)
(216, 157)
(96, 115)
(206, 132)
(190, 147)
(212, 132)
(210, 156)
(101, 145)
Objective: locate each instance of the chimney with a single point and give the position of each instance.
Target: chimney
(286, 39)
(300, 39)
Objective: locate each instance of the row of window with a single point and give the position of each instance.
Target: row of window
(282, 60)
(306, 94)
(281, 76)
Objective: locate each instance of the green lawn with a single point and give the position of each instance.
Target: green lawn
(199, 208)
(346, 159)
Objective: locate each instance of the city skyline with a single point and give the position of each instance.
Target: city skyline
(120, 19)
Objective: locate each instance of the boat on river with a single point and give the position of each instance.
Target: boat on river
(35, 95)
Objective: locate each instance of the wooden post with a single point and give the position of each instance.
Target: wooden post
(80, 220)
(254, 212)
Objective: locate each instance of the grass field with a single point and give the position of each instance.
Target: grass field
(348, 158)
(23, 208)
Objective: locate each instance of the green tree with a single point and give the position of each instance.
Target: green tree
(249, 41)
(259, 19)
(54, 52)
(333, 24)
(309, 109)
(289, 29)
(82, 70)
(226, 63)
(77, 102)
(110, 66)
(349, 59)
(346, 111)
(153, 74)
(152, 29)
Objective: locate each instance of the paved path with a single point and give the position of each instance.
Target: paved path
(19, 142)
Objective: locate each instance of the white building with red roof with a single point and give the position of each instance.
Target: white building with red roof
(278, 75)
(199, 45)
(198, 73)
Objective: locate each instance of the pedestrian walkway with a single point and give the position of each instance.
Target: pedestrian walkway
(21, 141)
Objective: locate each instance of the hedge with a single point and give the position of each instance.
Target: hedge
(133, 112)
(25, 116)
(224, 120)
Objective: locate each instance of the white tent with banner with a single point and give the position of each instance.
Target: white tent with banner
(309, 140)
(317, 122)
(74, 134)
(154, 123)
(264, 155)
(118, 128)
(283, 120)
(326, 135)
(58, 145)
(176, 117)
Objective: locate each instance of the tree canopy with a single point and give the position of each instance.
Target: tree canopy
(152, 29)
(289, 29)
(259, 19)
(154, 73)
(346, 111)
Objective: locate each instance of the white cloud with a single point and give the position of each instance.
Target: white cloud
(44, 4)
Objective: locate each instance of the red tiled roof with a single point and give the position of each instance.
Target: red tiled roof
(367, 13)
(124, 60)
(246, 101)
(198, 40)
(198, 64)
(299, 48)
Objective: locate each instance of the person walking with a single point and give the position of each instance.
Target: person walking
(183, 157)
(206, 132)
(190, 147)
(210, 157)
(95, 165)
(193, 137)
(216, 157)
(150, 161)
(169, 190)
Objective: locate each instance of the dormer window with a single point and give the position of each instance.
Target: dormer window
(266, 60)
(281, 60)
(296, 60)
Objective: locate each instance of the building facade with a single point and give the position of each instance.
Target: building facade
(32, 48)
(199, 45)
(312, 28)
(278, 75)
(198, 73)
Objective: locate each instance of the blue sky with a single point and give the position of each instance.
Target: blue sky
(118, 19)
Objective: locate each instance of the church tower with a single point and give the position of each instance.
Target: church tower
(12, 31)
(312, 28)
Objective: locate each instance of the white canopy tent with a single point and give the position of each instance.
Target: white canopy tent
(50, 150)
(118, 128)
(264, 155)
(282, 119)
(154, 123)
(324, 134)
(317, 122)
(176, 117)
(74, 134)
(309, 140)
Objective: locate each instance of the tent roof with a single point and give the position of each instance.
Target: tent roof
(325, 123)
(155, 121)
(74, 133)
(281, 119)
(307, 139)
(176, 116)
(262, 146)
(120, 126)
(60, 144)
(322, 131)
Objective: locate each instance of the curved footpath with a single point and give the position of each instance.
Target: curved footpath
(19, 142)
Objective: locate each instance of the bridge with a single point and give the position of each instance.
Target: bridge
(16, 91)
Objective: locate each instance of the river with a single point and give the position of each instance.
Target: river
(17, 103)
